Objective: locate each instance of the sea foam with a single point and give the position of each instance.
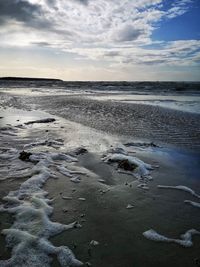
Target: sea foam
(28, 236)
(142, 169)
(185, 241)
(180, 187)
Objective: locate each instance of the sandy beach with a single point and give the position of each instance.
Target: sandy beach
(102, 163)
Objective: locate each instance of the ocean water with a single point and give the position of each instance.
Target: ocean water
(174, 95)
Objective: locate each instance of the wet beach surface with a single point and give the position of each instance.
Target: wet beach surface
(99, 202)
(142, 121)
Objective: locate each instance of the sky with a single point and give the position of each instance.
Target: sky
(134, 40)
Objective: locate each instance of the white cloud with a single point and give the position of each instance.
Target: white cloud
(112, 32)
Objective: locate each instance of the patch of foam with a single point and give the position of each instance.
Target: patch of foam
(8, 154)
(143, 186)
(52, 143)
(63, 170)
(28, 236)
(31, 251)
(8, 131)
(180, 187)
(194, 204)
(185, 241)
(75, 180)
(142, 169)
(51, 157)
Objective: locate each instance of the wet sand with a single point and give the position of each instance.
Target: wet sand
(103, 214)
(142, 121)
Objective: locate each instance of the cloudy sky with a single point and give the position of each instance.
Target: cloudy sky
(100, 39)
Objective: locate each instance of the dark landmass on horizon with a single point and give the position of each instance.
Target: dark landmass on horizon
(28, 79)
(12, 78)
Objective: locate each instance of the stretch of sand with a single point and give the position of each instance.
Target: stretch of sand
(113, 209)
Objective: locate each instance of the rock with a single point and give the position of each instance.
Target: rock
(129, 206)
(94, 243)
(75, 180)
(65, 210)
(25, 156)
(77, 225)
(143, 186)
(74, 245)
(81, 199)
(80, 151)
(197, 262)
(126, 165)
(40, 121)
(101, 191)
(66, 198)
(102, 181)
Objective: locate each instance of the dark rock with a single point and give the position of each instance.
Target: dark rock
(197, 262)
(80, 151)
(40, 121)
(126, 165)
(25, 156)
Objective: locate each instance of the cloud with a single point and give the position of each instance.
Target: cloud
(84, 2)
(178, 8)
(110, 32)
(18, 10)
(128, 33)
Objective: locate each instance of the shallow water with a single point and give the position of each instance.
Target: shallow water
(189, 103)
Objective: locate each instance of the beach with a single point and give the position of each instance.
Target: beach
(117, 172)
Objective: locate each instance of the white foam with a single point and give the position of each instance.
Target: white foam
(65, 171)
(129, 206)
(194, 204)
(31, 251)
(32, 226)
(185, 241)
(51, 157)
(49, 142)
(9, 154)
(142, 169)
(94, 243)
(143, 186)
(180, 187)
(75, 180)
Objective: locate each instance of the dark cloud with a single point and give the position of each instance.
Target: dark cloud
(84, 2)
(154, 61)
(127, 34)
(111, 54)
(18, 10)
(41, 44)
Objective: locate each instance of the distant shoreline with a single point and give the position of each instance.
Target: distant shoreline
(29, 79)
(10, 78)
